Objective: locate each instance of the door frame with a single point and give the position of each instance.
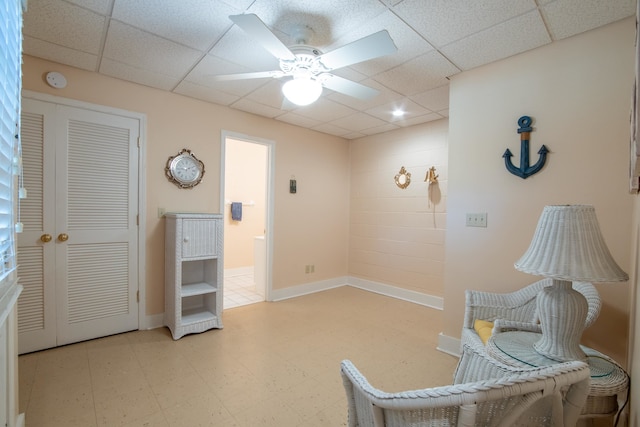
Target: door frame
(271, 145)
(143, 321)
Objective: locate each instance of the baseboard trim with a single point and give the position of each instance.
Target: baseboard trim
(240, 271)
(153, 321)
(307, 288)
(449, 345)
(398, 293)
(157, 320)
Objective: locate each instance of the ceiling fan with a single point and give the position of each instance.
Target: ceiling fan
(309, 68)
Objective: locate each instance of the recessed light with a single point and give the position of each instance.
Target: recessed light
(398, 113)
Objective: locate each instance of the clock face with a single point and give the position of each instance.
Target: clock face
(184, 169)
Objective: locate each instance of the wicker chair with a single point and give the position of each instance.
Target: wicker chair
(550, 396)
(516, 310)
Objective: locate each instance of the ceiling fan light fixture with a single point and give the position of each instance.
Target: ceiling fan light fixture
(302, 91)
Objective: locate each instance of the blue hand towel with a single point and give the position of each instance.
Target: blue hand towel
(236, 211)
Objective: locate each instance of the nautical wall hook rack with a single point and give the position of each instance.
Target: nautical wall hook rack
(525, 171)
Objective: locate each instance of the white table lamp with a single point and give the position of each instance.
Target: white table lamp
(567, 246)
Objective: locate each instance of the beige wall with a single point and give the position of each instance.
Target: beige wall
(245, 182)
(397, 235)
(309, 227)
(578, 92)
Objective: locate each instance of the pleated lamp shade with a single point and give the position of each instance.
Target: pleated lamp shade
(568, 245)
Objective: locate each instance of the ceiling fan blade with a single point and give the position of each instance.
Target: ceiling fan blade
(245, 76)
(254, 27)
(370, 47)
(348, 87)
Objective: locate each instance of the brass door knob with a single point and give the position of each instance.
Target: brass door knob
(45, 238)
(63, 237)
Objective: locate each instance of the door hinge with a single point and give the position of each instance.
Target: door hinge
(137, 296)
(138, 142)
(137, 219)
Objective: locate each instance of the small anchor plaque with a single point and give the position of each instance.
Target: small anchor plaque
(525, 171)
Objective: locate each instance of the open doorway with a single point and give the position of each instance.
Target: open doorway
(247, 205)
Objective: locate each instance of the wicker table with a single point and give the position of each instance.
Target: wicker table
(609, 382)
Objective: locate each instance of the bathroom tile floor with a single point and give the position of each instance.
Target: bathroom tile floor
(239, 290)
(273, 364)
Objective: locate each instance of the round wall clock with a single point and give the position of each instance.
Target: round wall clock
(184, 169)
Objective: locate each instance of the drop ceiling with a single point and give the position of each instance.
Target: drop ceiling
(178, 45)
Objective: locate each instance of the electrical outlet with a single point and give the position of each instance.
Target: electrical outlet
(477, 219)
(309, 268)
(161, 212)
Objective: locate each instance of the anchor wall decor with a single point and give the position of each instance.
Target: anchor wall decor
(525, 171)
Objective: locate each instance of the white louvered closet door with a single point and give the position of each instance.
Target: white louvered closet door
(94, 203)
(36, 259)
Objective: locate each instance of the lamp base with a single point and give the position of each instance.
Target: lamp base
(562, 312)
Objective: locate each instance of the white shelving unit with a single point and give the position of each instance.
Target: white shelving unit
(193, 272)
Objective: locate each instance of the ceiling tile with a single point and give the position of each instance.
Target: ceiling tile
(210, 66)
(298, 120)
(205, 93)
(181, 45)
(145, 51)
(64, 24)
(391, 2)
(329, 19)
(409, 43)
(331, 129)
(379, 129)
(569, 17)
(237, 47)
(410, 108)
(122, 71)
(445, 21)
(239, 4)
(60, 54)
(386, 95)
(270, 93)
(354, 135)
(426, 72)
(434, 99)
(324, 110)
(412, 121)
(253, 107)
(194, 23)
(358, 122)
(100, 6)
(498, 42)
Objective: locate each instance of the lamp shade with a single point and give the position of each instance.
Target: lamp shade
(302, 90)
(568, 245)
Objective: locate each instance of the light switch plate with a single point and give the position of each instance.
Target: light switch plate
(477, 219)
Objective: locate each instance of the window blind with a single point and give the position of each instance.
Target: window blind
(10, 88)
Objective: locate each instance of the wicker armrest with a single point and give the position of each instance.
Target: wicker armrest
(503, 325)
(517, 306)
(520, 305)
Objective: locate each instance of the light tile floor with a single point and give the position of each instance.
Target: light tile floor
(239, 290)
(273, 364)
